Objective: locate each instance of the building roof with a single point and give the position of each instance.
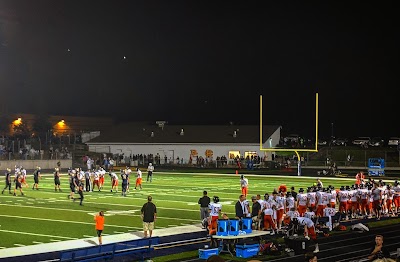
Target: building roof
(142, 133)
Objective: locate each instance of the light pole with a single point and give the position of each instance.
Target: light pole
(332, 130)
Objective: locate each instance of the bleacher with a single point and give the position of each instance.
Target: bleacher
(140, 247)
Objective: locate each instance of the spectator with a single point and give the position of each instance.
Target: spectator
(204, 201)
(378, 251)
(310, 257)
(112, 163)
(149, 216)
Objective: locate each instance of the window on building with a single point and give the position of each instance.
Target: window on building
(249, 154)
(233, 154)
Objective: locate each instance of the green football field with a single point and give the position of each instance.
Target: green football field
(46, 216)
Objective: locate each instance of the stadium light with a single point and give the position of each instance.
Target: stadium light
(18, 121)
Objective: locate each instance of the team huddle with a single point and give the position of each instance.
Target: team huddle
(282, 208)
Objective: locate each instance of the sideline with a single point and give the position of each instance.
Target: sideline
(90, 242)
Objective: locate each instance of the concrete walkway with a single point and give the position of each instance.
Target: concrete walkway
(89, 242)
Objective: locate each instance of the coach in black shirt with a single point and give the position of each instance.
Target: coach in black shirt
(149, 215)
(204, 201)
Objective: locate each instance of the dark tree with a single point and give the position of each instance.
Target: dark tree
(22, 131)
(5, 122)
(41, 125)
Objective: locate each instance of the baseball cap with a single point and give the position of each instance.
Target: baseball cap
(253, 198)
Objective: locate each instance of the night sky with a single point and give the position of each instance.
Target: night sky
(199, 62)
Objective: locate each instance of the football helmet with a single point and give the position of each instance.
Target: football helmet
(216, 199)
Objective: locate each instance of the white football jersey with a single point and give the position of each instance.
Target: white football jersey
(215, 209)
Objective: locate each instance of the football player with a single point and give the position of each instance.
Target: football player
(57, 179)
(309, 229)
(124, 178)
(8, 181)
(114, 181)
(138, 179)
(150, 170)
(301, 202)
(36, 176)
(23, 174)
(215, 210)
(18, 184)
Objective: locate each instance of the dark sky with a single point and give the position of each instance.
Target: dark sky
(205, 62)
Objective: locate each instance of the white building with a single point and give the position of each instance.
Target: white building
(188, 141)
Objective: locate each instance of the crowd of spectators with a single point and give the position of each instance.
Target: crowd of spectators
(121, 159)
(31, 149)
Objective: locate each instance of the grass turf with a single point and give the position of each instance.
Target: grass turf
(46, 216)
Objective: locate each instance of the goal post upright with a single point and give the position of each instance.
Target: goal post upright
(296, 150)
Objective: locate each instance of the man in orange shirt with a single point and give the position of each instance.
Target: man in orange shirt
(99, 218)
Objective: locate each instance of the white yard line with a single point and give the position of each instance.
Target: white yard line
(122, 211)
(34, 234)
(64, 221)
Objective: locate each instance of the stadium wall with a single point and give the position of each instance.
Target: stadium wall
(173, 151)
(32, 164)
(184, 150)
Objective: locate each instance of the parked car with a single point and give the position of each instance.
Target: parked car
(376, 141)
(292, 138)
(361, 141)
(322, 142)
(393, 141)
(340, 141)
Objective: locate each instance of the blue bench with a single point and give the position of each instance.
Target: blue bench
(133, 247)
